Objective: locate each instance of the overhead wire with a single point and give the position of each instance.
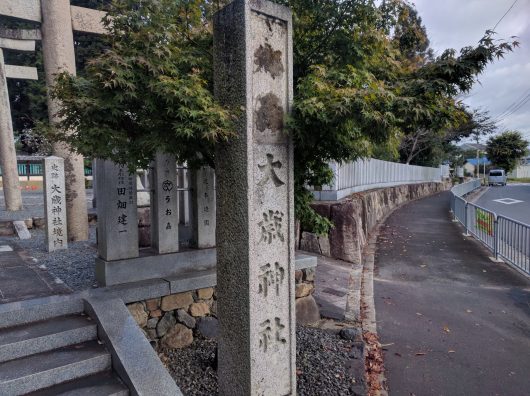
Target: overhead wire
(519, 103)
(519, 106)
(514, 104)
(506, 13)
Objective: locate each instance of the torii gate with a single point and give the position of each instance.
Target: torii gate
(21, 40)
(58, 22)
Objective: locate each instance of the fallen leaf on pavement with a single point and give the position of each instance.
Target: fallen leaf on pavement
(446, 329)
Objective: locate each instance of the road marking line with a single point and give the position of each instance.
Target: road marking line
(6, 248)
(507, 201)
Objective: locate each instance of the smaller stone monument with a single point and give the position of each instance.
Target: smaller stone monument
(117, 211)
(55, 204)
(203, 184)
(165, 209)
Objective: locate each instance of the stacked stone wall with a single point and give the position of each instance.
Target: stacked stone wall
(174, 321)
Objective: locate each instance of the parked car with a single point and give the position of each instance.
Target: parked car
(497, 176)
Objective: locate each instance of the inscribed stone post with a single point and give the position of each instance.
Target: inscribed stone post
(164, 208)
(117, 211)
(55, 204)
(203, 184)
(255, 232)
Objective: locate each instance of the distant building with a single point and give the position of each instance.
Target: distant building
(525, 160)
(471, 164)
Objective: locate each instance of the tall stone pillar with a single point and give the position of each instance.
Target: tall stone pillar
(255, 220)
(59, 56)
(8, 155)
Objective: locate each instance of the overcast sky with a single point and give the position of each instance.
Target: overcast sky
(458, 23)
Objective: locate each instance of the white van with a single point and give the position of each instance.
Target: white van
(497, 176)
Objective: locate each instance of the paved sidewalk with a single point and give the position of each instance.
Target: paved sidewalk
(22, 279)
(451, 321)
(332, 287)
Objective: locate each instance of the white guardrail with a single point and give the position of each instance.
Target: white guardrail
(505, 237)
(365, 174)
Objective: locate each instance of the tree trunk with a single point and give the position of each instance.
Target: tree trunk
(59, 56)
(8, 155)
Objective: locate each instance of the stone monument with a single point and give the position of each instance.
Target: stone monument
(117, 211)
(255, 233)
(164, 208)
(55, 204)
(203, 185)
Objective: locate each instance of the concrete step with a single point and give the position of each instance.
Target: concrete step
(31, 373)
(105, 383)
(29, 311)
(29, 339)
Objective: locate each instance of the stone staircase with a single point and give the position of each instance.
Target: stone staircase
(57, 356)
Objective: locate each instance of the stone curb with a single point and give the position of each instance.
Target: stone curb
(475, 195)
(368, 316)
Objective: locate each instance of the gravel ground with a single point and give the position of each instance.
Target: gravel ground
(33, 205)
(322, 365)
(74, 266)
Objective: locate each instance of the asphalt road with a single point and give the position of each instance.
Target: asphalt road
(519, 211)
(451, 321)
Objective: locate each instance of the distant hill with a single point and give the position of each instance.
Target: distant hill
(472, 146)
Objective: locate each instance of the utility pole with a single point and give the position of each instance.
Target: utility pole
(478, 164)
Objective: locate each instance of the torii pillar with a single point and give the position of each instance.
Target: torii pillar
(18, 40)
(8, 155)
(59, 56)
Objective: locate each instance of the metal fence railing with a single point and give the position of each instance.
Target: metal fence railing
(505, 237)
(369, 173)
(28, 169)
(513, 242)
(481, 224)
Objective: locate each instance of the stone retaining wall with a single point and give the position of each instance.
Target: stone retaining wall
(174, 320)
(355, 216)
